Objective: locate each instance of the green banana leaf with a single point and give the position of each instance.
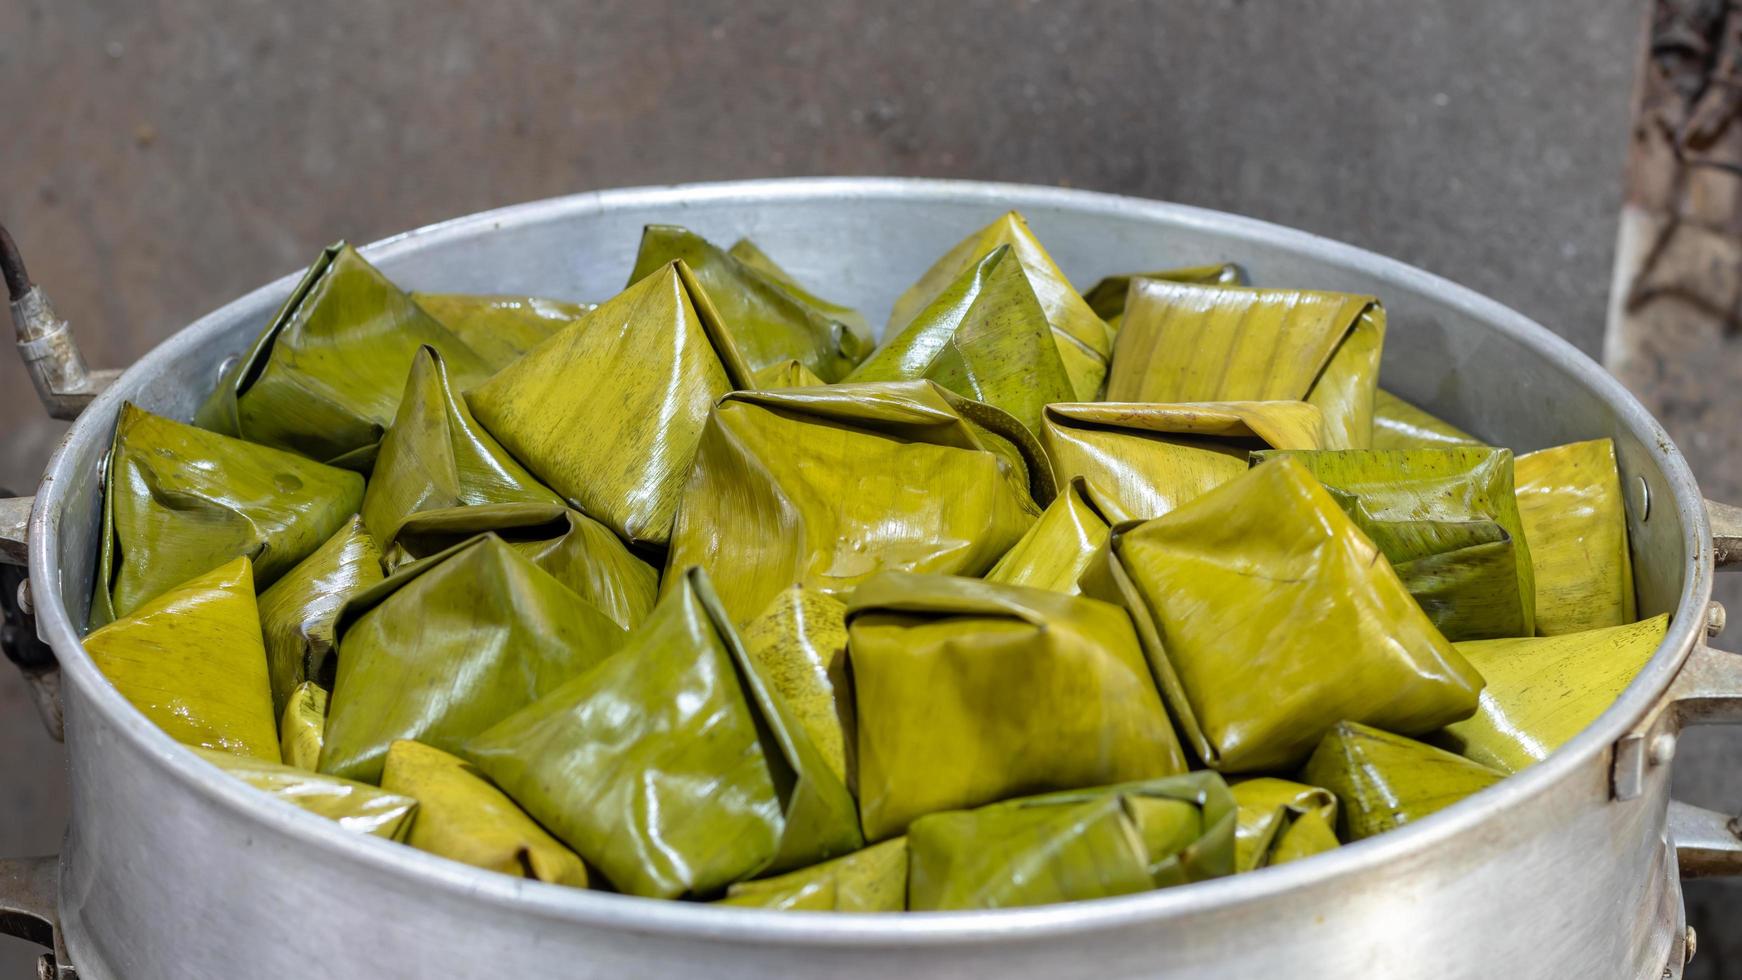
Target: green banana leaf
(1280, 821)
(870, 880)
(500, 328)
(825, 487)
(1569, 499)
(747, 252)
(1544, 690)
(608, 412)
(1083, 340)
(983, 337)
(191, 660)
(460, 816)
(967, 692)
(1310, 833)
(323, 379)
(1153, 458)
(303, 727)
(1383, 781)
(1399, 425)
(298, 612)
(799, 644)
(178, 501)
(1107, 297)
(357, 807)
(768, 321)
(1183, 342)
(672, 767)
(446, 647)
(1448, 521)
(787, 374)
(1268, 617)
(435, 456)
(1058, 548)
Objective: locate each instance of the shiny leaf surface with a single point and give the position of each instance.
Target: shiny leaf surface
(1058, 548)
(1383, 781)
(1107, 297)
(1397, 424)
(1569, 499)
(298, 612)
(1279, 821)
(747, 252)
(357, 807)
(303, 726)
(870, 880)
(799, 644)
(500, 328)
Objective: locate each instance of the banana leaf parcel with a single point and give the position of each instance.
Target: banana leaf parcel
(1058, 548)
(1383, 781)
(1084, 342)
(1544, 690)
(608, 412)
(1268, 617)
(1569, 498)
(1183, 342)
(500, 328)
(298, 612)
(672, 767)
(967, 692)
(1153, 458)
(983, 337)
(191, 660)
(870, 880)
(460, 816)
(747, 252)
(1399, 425)
(179, 501)
(357, 807)
(825, 487)
(444, 648)
(303, 727)
(324, 378)
(1107, 297)
(787, 374)
(1280, 821)
(768, 321)
(1448, 521)
(799, 644)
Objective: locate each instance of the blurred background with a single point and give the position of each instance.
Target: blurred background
(160, 157)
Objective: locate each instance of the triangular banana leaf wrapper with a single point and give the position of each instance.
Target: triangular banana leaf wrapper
(460, 816)
(768, 321)
(1448, 521)
(1544, 690)
(191, 660)
(870, 880)
(1084, 342)
(298, 612)
(1267, 617)
(1067, 847)
(303, 726)
(1058, 548)
(1569, 499)
(967, 692)
(609, 411)
(799, 645)
(1107, 297)
(787, 374)
(1280, 821)
(1183, 342)
(324, 378)
(1383, 781)
(1397, 424)
(179, 501)
(500, 328)
(672, 767)
(747, 252)
(984, 337)
(446, 647)
(825, 487)
(1152, 458)
(357, 807)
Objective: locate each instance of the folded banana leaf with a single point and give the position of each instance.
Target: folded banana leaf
(672, 767)
(178, 501)
(357, 807)
(303, 727)
(608, 412)
(1448, 521)
(825, 487)
(324, 377)
(1107, 297)
(1183, 342)
(446, 647)
(747, 252)
(967, 692)
(983, 337)
(1399, 425)
(1057, 549)
(191, 660)
(1152, 458)
(1084, 342)
(799, 644)
(787, 374)
(1569, 499)
(1268, 617)
(297, 613)
(1383, 781)
(1544, 690)
(1310, 833)
(435, 455)
(870, 880)
(500, 328)
(768, 321)
(1280, 821)
(460, 816)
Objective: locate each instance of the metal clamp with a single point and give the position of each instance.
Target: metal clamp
(1707, 691)
(45, 342)
(28, 888)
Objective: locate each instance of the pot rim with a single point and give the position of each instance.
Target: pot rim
(748, 925)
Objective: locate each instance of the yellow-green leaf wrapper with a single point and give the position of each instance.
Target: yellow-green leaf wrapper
(1058, 548)
(1383, 781)
(1569, 499)
(1107, 297)
(799, 645)
(1397, 424)
(357, 807)
(870, 880)
(303, 726)
(298, 612)
(1279, 821)
(500, 328)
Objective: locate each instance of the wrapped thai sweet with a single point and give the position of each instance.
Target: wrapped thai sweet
(500, 328)
(179, 501)
(1268, 617)
(1569, 499)
(1107, 297)
(1397, 424)
(799, 645)
(298, 612)
(967, 692)
(1383, 781)
(826, 487)
(357, 807)
(303, 726)
(1280, 821)
(1058, 548)
(672, 767)
(747, 252)
(870, 880)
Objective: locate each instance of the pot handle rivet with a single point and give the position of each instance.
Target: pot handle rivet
(1714, 618)
(1662, 749)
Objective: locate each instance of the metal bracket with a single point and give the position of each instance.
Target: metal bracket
(1726, 522)
(18, 637)
(1707, 691)
(14, 529)
(45, 343)
(28, 889)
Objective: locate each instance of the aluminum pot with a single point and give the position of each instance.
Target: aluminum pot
(171, 869)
